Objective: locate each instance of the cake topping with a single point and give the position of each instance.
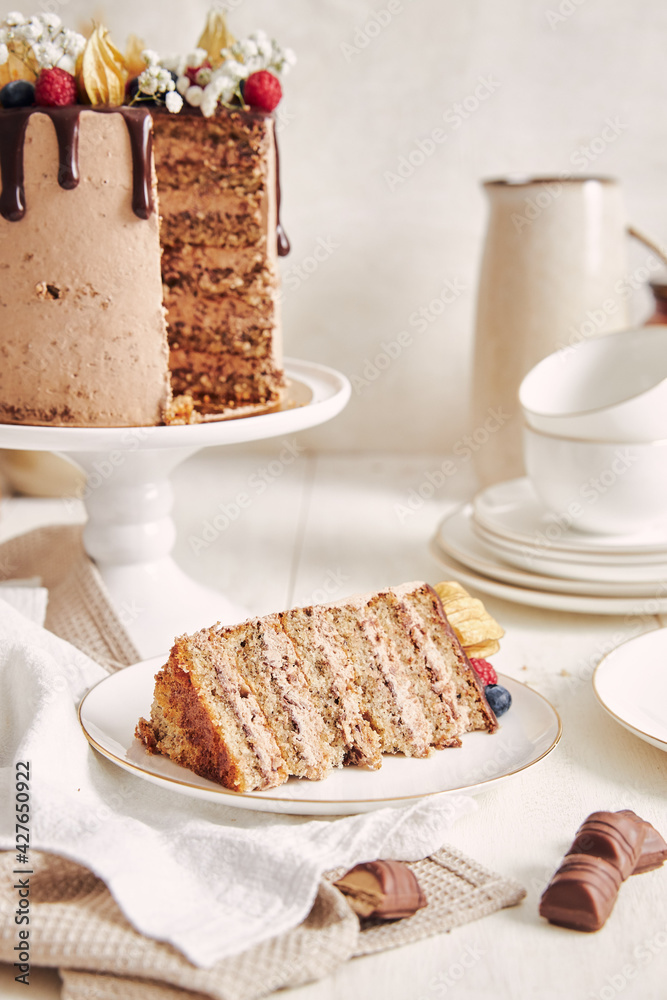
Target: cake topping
(383, 890)
(498, 698)
(262, 90)
(17, 94)
(486, 673)
(55, 88)
(102, 74)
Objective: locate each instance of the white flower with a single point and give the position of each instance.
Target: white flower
(246, 49)
(174, 102)
(14, 18)
(196, 58)
(193, 96)
(236, 70)
(47, 55)
(208, 104)
(67, 63)
(73, 43)
(204, 75)
(164, 79)
(52, 21)
(147, 82)
(150, 57)
(30, 32)
(222, 86)
(4, 54)
(173, 62)
(183, 85)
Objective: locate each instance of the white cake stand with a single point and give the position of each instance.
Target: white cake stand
(128, 498)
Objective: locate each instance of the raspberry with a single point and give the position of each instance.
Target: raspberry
(55, 88)
(486, 672)
(192, 71)
(262, 90)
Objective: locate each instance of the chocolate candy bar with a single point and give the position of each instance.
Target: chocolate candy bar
(384, 890)
(654, 848)
(616, 837)
(582, 893)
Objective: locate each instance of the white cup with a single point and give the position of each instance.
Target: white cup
(611, 388)
(604, 487)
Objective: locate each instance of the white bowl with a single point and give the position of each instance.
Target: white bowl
(602, 487)
(611, 388)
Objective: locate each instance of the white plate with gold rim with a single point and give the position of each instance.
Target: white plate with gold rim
(528, 732)
(631, 685)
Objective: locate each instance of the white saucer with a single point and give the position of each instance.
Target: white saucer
(631, 685)
(554, 600)
(528, 732)
(603, 569)
(455, 537)
(513, 511)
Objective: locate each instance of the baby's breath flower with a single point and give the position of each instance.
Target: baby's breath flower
(209, 103)
(196, 57)
(147, 82)
(52, 21)
(164, 79)
(193, 96)
(67, 63)
(14, 18)
(174, 102)
(150, 57)
(173, 62)
(182, 85)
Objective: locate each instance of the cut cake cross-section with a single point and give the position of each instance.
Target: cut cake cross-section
(313, 688)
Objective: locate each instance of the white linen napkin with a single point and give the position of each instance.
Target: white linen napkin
(209, 879)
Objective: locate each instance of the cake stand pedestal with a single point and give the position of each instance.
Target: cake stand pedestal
(128, 497)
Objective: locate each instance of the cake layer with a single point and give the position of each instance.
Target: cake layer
(82, 329)
(331, 683)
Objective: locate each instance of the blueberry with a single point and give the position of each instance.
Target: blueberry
(17, 94)
(498, 698)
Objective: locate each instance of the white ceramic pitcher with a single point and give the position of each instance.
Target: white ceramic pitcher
(554, 272)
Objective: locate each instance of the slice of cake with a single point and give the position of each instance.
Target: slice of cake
(313, 688)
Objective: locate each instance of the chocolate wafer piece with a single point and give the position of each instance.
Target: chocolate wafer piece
(582, 893)
(384, 890)
(654, 848)
(616, 837)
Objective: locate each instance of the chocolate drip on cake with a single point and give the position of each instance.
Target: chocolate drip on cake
(13, 124)
(281, 236)
(12, 135)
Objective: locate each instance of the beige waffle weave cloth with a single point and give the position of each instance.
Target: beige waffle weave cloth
(77, 927)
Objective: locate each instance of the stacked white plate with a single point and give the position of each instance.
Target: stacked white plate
(506, 543)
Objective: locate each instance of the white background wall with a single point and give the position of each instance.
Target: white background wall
(360, 99)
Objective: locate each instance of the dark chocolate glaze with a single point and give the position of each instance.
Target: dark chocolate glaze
(283, 241)
(13, 124)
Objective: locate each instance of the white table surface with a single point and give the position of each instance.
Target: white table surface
(327, 526)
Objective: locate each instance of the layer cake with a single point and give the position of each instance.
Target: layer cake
(301, 692)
